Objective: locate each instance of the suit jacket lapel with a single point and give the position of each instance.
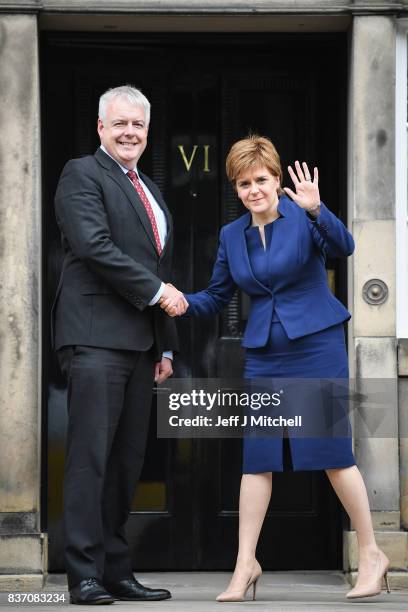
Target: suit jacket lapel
(243, 250)
(282, 239)
(115, 172)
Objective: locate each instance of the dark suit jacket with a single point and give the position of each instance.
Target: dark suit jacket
(297, 288)
(111, 268)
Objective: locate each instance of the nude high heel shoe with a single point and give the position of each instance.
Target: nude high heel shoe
(239, 595)
(372, 585)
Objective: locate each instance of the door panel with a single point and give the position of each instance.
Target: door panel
(206, 92)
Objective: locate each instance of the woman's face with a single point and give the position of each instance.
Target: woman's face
(258, 190)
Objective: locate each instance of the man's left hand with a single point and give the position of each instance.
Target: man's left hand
(164, 369)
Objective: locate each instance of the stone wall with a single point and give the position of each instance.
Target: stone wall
(20, 305)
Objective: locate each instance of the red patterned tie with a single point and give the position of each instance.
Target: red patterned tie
(136, 184)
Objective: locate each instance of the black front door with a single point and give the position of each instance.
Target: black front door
(206, 92)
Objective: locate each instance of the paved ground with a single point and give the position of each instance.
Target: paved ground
(195, 592)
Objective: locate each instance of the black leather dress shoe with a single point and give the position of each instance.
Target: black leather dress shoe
(90, 592)
(131, 590)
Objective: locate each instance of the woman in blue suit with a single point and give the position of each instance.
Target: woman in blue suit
(276, 253)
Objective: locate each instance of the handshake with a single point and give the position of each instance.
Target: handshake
(173, 301)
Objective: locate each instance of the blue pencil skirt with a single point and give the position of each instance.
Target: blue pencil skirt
(317, 356)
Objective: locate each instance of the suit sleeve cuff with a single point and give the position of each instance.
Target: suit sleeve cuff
(314, 218)
(158, 295)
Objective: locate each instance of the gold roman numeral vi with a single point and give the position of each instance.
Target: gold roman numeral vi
(188, 162)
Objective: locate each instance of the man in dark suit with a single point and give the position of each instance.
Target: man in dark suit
(112, 340)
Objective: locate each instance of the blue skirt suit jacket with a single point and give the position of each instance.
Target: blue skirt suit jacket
(298, 288)
(285, 336)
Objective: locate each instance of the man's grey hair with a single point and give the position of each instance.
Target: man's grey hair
(133, 95)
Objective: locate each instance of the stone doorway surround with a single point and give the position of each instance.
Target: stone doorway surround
(371, 25)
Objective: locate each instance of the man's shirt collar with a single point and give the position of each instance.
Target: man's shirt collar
(123, 168)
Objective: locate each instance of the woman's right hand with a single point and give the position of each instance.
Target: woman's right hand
(307, 194)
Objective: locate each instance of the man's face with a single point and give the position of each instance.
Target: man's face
(123, 132)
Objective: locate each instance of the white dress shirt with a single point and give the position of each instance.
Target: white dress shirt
(161, 223)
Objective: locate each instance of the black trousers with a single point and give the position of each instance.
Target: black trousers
(109, 398)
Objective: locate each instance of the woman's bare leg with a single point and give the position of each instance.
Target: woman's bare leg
(351, 491)
(254, 499)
